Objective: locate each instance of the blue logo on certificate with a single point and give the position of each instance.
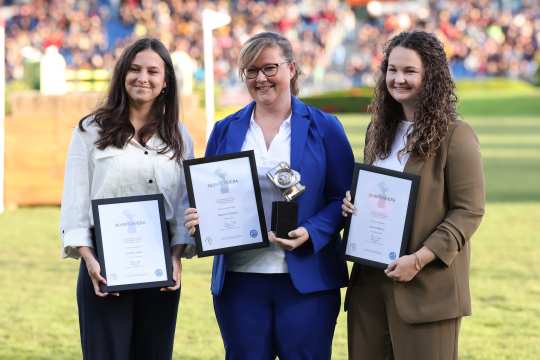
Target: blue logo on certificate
(392, 255)
(253, 233)
(158, 272)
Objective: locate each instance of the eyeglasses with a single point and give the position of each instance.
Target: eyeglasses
(268, 70)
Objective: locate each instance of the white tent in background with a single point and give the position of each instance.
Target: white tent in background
(184, 68)
(52, 73)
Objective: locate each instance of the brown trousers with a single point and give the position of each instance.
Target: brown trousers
(376, 332)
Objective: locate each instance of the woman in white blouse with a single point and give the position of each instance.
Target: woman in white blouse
(131, 145)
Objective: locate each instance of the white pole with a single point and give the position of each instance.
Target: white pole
(208, 79)
(211, 20)
(2, 114)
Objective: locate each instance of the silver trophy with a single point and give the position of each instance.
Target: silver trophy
(287, 180)
(285, 213)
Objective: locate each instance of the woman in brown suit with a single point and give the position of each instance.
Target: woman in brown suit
(412, 310)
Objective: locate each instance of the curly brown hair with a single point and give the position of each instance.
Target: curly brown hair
(436, 108)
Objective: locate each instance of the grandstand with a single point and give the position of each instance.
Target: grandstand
(338, 43)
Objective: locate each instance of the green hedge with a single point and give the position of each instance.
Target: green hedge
(355, 100)
(470, 92)
(494, 84)
(13, 87)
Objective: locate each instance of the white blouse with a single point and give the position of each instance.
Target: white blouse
(134, 170)
(394, 161)
(270, 260)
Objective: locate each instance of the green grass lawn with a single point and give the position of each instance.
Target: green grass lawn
(38, 316)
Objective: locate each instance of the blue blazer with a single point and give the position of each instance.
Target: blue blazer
(322, 154)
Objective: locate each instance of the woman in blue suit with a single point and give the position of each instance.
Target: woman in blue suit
(283, 300)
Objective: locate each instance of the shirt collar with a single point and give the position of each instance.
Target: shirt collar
(153, 143)
(286, 124)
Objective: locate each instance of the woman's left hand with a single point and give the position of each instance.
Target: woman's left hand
(403, 269)
(297, 238)
(176, 272)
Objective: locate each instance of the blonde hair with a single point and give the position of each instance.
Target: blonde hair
(257, 43)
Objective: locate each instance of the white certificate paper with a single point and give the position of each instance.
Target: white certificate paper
(132, 242)
(379, 228)
(228, 203)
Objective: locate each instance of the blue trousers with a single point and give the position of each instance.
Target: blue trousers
(262, 316)
(137, 325)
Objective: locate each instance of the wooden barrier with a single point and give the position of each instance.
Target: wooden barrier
(38, 132)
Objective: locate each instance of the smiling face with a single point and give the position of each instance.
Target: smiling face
(404, 76)
(145, 78)
(268, 90)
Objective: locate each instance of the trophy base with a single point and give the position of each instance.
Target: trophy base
(284, 218)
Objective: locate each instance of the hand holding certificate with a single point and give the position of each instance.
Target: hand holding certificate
(225, 191)
(377, 232)
(132, 242)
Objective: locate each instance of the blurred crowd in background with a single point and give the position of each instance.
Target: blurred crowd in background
(481, 37)
(336, 42)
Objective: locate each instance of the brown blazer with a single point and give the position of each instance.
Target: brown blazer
(449, 208)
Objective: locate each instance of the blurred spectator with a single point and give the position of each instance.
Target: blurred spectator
(482, 38)
(88, 33)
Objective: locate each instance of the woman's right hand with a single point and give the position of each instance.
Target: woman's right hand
(94, 270)
(347, 207)
(191, 219)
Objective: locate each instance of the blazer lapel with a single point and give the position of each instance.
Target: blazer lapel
(299, 130)
(414, 165)
(238, 129)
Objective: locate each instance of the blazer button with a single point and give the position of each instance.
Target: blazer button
(150, 181)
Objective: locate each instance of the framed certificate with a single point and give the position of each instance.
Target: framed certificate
(132, 242)
(225, 190)
(378, 232)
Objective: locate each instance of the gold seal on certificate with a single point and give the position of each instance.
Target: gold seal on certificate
(378, 232)
(225, 190)
(132, 242)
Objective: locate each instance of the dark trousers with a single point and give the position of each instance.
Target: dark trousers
(262, 316)
(138, 324)
(376, 331)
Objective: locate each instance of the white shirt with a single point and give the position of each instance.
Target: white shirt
(393, 161)
(270, 260)
(134, 170)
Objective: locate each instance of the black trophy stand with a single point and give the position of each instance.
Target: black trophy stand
(284, 218)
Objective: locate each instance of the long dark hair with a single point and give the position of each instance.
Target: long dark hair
(112, 117)
(436, 108)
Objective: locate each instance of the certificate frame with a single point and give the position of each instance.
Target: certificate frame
(406, 211)
(257, 205)
(100, 238)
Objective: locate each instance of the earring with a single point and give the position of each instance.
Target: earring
(163, 91)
